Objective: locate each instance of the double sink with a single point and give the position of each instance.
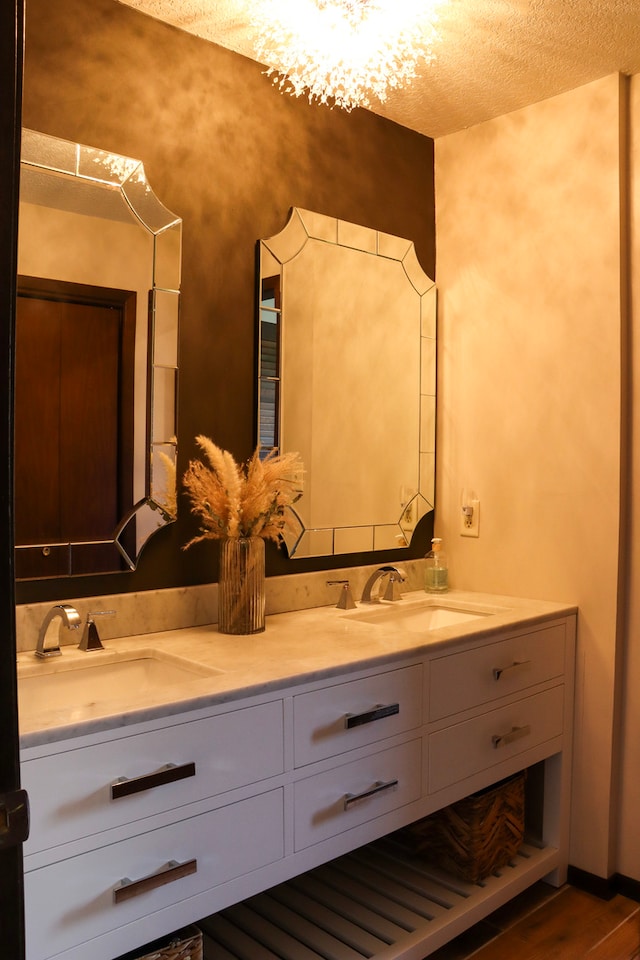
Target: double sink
(108, 676)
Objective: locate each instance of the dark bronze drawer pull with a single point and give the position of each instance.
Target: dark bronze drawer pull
(516, 733)
(127, 889)
(125, 786)
(378, 713)
(500, 671)
(379, 786)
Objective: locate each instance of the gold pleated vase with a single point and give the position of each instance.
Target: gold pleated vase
(241, 597)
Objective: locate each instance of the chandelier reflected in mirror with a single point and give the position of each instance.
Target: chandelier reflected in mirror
(345, 53)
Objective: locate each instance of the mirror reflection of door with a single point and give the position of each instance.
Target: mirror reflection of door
(74, 414)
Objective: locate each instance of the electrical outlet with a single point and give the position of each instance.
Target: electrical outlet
(470, 519)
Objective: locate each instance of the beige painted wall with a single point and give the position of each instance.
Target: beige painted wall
(528, 267)
(629, 837)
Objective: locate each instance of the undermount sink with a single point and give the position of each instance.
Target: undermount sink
(421, 615)
(99, 678)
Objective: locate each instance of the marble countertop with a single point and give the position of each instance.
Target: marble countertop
(296, 647)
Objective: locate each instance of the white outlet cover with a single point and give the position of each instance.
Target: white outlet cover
(470, 525)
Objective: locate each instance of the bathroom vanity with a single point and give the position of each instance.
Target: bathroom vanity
(279, 770)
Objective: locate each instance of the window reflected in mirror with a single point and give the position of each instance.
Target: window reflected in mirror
(269, 363)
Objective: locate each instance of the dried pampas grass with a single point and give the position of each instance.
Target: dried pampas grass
(242, 501)
(167, 497)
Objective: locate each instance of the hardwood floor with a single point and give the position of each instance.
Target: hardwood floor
(548, 924)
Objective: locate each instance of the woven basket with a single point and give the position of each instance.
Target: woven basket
(475, 836)
(183, 945)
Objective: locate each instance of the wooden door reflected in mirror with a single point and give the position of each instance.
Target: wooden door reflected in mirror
(73, 422)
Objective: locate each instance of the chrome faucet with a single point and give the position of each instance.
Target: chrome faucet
(346, 601)
(392, 592)
(90, 636)
(70, 620)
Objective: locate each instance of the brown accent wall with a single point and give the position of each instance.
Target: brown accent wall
(228, 153)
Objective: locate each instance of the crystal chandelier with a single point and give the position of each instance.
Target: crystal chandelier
(343, 52)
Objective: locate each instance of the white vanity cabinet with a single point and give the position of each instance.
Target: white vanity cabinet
(488, 707)
(334, 719)
(91, 788)
(490, 704)
(369, 730)
(127, 827)
(288, 799)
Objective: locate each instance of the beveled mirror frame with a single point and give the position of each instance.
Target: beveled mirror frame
(389, 267)
(155, 444)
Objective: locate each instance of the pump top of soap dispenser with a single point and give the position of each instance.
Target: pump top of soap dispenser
(436, 549)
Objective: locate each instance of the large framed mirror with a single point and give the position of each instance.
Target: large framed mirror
(99, 261)
(347, 377)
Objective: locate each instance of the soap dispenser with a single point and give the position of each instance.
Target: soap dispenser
(437, 574)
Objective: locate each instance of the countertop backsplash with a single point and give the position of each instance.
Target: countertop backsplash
(153, 611)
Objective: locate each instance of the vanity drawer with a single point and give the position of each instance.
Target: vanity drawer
(77, 793)
(473, 677)
(467, 748)
(354, 793)
(344, 716)
(75, 900)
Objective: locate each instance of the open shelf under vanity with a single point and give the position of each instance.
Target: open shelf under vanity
(378, 902)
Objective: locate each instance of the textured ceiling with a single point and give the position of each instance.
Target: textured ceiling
(493, 56)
